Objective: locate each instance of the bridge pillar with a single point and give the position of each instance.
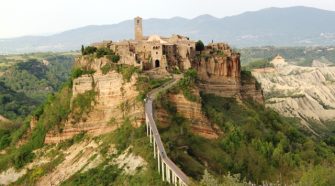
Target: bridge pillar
(168, 174)
(174, 178)
(163, 171)
(154, 148)
(150, 135)
(159, 162)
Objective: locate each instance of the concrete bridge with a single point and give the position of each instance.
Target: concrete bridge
(168, 169)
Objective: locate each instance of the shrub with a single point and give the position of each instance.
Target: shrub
(22, 156)
(89, 50)
(115, 58)
(106, 68)
(104, 51)
(77, 72)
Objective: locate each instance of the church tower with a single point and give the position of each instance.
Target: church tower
(138, 29)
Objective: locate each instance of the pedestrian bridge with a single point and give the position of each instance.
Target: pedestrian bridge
(168, 169)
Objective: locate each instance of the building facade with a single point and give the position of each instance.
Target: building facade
(150, 52)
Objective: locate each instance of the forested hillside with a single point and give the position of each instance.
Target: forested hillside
(255, 144)
(26, 80)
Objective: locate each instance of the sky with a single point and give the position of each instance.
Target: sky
(45, 17)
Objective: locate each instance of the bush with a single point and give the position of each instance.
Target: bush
(106, 68)
(115, 58)
(104, 51)
(22, 156)
(77, 72)
(89, 50)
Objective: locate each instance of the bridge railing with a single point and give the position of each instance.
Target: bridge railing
(166, 167)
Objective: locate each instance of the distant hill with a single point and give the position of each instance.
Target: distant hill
(294, 26)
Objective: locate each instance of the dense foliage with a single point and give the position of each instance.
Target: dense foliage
(26, 82)
(257, 143)
(51, 115)
(14, 104)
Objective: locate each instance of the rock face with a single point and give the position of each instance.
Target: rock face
(219, 72)
(304, 92)
(190, 110)
(114, 101)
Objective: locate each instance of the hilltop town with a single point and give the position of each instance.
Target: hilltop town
(156, 110)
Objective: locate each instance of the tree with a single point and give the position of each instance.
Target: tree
(199, 46)
(82, 49)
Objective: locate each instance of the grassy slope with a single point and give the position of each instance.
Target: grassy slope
(257, 143)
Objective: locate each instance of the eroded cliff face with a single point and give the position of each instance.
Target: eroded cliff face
(115, 100)
(191, 110)
(307, 93)
(219, 73)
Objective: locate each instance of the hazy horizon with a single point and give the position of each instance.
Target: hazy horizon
(45, 17)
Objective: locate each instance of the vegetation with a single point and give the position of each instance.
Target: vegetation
(302, 56)
(51, 115)
(101, 52)
(82, 104)
(77, 72)
(106, 174)
(27, 80)
(199, 46)
(89, 50)
(145, 84)
(14, 104)
(262, 63)
(258, 143)
(187, 83)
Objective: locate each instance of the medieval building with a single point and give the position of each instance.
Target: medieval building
(149, 52)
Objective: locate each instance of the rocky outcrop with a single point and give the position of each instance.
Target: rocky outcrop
(190, 110)
(307, 93)
(219, 73)
(115, 100)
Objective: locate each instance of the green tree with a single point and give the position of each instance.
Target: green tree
(82, 49)
(199, 46)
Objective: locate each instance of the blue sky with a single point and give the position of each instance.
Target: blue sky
(36, 17)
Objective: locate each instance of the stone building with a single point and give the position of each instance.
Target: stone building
(150, 52)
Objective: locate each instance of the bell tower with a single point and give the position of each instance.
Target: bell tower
(138, 29)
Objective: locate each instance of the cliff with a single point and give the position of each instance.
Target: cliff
(115, 100)
(303, 92)
(219, 73)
